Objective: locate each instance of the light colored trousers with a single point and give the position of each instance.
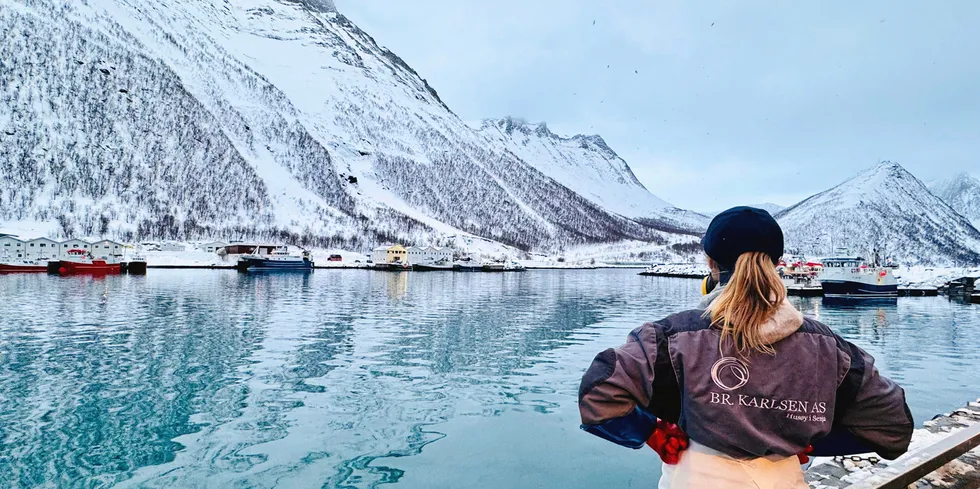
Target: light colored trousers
(701, 466)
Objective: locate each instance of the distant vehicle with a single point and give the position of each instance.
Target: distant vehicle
(335, 258)
(357, 261)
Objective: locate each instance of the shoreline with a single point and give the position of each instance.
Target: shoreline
(364, 267)
(904, 291)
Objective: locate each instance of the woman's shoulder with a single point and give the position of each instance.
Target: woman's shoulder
(681, 322)
(813, 326)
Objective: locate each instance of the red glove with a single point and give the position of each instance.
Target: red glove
(668, 441)
(804, 456)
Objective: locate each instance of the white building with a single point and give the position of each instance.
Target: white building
(380, 254)
(172, 246)
(414, 254)
(11, 247)
(107, 248)
(41, 249)
(437, 254)
(212, 247)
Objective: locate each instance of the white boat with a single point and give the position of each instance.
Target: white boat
(278, 260)
(853, 277)
(433, 266)
(468, 266)
(9, 265)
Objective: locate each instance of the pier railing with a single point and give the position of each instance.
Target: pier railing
(923, 462)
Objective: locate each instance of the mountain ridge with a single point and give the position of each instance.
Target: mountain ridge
(587, 165)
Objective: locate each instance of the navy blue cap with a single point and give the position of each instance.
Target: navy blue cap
(741, 230)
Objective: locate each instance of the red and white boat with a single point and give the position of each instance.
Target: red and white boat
(81, 262)
(23, 266)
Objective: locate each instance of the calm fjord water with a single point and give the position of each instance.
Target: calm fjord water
(349, 378)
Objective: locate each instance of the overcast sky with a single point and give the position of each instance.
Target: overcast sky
(712, 104)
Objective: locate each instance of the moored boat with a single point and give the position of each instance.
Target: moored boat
(432, 266)
(9, 265)
(494, 266)
(80, 261)
(853, 277)
(798, 272)
(278, 260)
(136, 265)
(23, 266)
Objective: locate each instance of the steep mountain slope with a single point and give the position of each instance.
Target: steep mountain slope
(587, 165)
(886, 208)
(962, 193)
(178, 119)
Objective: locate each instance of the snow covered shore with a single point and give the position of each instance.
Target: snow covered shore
(679, 270)
(921, 277)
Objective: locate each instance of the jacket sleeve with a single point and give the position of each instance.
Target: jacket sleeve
(617, 389)
(871, 413)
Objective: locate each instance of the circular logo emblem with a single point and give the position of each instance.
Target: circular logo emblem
(729, 373)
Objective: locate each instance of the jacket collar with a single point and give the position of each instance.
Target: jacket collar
(784, 323)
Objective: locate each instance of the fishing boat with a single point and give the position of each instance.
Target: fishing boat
(493, 266)
(855, 278)
(8, 265)
(79, 261)
(513, 266)
(278, 261)
(432, 266)
(468, 265)
(397, 265)
(798, 272)
(136, 265)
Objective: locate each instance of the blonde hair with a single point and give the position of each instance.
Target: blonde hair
(751, 298)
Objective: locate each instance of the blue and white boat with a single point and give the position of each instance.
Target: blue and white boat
(278, 260)
(853, 277)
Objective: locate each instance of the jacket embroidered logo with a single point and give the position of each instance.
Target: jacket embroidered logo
(729, 373)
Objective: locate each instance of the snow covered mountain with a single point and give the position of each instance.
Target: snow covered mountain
(587, 165)
(259, 118)
(962, 193)
(886, 208)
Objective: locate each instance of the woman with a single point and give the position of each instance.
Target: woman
(749, 379)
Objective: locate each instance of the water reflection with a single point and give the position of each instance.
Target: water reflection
(341, 378)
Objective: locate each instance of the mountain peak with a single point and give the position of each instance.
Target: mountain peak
(890, 165)
(511, 124)
(884, 207)
(316, 5)
(962, 193)
(887, 168)
(597, 141)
